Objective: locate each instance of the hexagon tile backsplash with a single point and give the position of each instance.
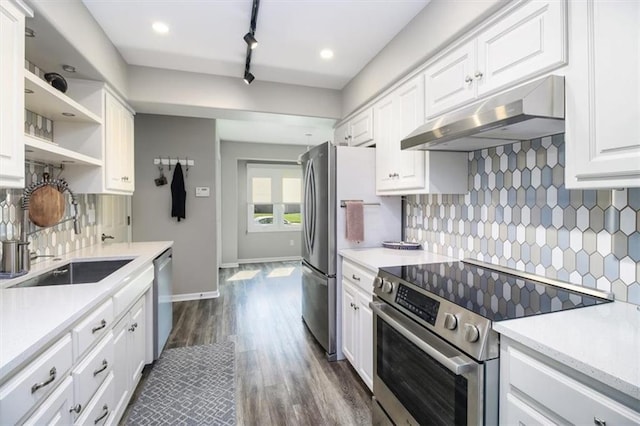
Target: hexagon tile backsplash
(59, 239)
(519, 214)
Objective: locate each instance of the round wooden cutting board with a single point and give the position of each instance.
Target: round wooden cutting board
(46, 206)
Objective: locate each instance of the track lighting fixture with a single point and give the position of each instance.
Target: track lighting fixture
(251, 40)
(248, 77)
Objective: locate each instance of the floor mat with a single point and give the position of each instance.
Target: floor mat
(193, 385)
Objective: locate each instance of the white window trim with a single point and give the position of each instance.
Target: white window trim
(258, 170)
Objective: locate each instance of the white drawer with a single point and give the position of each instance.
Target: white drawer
(132, 290)
(35, 381)
(564, 396)
(99, 412)
(92, 371)
(92, 328)
(55, 410)
(358, 275)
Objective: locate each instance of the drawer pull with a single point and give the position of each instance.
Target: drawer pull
(52, 377)
(355, 277)
(105, 408)
(133, 327)
(105, 364)
(599, 422)
(102, 325)
(75, 409)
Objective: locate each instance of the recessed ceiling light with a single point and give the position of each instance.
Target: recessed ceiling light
(28, 32)
(28, 91)
(68, 114)
(160, 27)
(69, 68)
(326, 53)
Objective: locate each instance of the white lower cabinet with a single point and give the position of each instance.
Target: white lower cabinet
(91, 372)
(100, 410)
(357, 319)
(56, 409)
(129, 348)
(35, 381)
(536, 390)
(87, 376)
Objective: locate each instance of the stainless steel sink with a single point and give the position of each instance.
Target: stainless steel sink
(79, 272)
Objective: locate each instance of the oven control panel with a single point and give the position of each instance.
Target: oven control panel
(420, 305)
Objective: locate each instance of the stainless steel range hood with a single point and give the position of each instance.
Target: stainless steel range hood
(527, 112)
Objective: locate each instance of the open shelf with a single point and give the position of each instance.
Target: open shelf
(45, 151)
(51, 103)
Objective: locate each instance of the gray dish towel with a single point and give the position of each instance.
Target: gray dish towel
(178, 194)
(355, 221)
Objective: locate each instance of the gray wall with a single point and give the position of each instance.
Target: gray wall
(237, 245)
(440, 22)
(261, 245)
(195, 265)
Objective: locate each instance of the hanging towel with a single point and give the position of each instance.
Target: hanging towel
(355, 221)
(178, 194)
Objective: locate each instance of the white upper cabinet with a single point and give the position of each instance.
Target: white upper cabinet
(603, 95)
(449, 80)
(397, 115)
(527, 41)
(119, 149)
(12, 20)
(412, 172)
(358, 131)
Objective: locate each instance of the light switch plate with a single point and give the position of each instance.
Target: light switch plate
(202, 191)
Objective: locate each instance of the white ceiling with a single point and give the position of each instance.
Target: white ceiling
(205, 36)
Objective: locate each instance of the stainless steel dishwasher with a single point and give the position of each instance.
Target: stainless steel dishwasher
(162, 308)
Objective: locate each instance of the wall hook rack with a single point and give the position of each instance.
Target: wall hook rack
(170, 161)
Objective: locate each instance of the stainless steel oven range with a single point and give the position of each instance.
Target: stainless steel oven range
(436, 356)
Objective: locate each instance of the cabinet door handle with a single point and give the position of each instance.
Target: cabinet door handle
(75, 409)
(52, 377)
(355, 277)
(105, 364)
(468, 79)
(479, 74)
(599, 422)
(356, 307)
(105, 408)
(102, 325)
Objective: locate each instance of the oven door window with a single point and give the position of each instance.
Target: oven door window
(431, 393)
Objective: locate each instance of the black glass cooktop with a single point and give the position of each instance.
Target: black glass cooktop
(492, 294)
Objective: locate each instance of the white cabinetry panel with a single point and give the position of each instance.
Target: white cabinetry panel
(12, 99)
(528, 41)
(603, 95)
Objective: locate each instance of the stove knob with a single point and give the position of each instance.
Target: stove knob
(387, 286)
(471, 333)
(450, 321)
(377, 282)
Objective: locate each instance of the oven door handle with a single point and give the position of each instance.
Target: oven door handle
(456, 364)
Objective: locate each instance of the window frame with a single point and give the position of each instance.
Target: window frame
(277, 172)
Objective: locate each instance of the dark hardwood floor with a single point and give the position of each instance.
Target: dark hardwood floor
(283, 377)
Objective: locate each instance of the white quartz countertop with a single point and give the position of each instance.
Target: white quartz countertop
(30, 317)
(374, 258)
(601, 341)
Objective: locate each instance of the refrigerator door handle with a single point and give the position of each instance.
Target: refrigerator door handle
(310, 207)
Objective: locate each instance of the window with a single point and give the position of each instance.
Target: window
(274, 193)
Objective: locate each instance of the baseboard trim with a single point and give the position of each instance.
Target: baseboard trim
(195, 296)
(269, 259)
(228, 265)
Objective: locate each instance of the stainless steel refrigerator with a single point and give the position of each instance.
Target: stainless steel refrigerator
(332, 175)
